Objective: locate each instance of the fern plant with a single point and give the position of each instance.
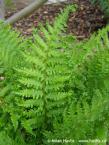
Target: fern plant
(82, 122)
(53, 86)
(10, 57)
(87, 117)
(37, 84)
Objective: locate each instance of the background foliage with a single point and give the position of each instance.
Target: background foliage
(104, 5)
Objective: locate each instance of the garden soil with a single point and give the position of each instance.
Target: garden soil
(82, 23)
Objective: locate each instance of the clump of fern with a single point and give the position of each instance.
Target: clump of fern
(10, 58)
(37, 95)
(53, 86)
(87, 117)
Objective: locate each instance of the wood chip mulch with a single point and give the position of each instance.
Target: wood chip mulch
(82, 23)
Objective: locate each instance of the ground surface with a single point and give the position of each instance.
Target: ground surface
(82, 23)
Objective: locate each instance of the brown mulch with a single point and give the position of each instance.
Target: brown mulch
(82, 23)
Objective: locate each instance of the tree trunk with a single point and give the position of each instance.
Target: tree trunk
(25, 12)
(2, 10)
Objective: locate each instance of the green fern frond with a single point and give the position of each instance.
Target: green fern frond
(10, 45)
(41, 80)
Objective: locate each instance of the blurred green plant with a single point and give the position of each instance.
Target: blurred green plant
(9, 3)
